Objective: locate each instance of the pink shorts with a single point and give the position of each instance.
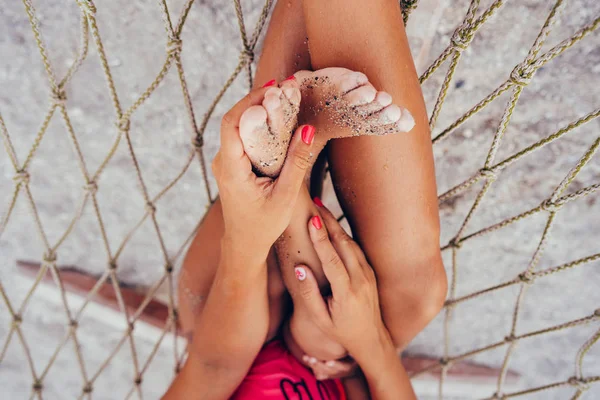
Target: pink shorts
(276, 374)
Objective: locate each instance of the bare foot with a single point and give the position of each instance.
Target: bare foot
(266, 130)
(343, 103)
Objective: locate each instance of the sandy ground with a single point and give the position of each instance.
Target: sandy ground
(134, 38)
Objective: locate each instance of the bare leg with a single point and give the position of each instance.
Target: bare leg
(392, 204)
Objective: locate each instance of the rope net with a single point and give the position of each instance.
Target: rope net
(514, 85)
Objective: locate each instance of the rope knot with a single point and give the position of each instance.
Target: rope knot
(247, 55)
(488, 174)
(21, 178)
(49, 258)
(498, 396)
(73, 324)
(150, 208)
(597, 313)
(87, 6)
(123, 124)
(37, 386)
(510, 338)
(17, 319)
(521, 75)
(88, 388)
(169, 268)
(551, 206)
(198, 142)
(91, 187)
(456, 243)
(138, 380)
(461, 38)
(59, 96)
(112, 265)
(526, 277)
(131, 327)
(579, 383)
(174, 46)
(444, 361)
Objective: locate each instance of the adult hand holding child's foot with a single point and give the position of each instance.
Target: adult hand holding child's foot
(340, 102)
(272, 200)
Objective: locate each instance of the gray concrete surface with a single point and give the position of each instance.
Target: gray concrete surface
(134, 37)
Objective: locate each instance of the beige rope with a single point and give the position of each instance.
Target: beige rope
(516, 83)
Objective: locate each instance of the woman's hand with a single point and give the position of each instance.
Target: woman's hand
(352, 315)
(256, 210)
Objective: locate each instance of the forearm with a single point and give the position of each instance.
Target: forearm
(383, 372)
(233, 325)
(356, 388)
(230, 331)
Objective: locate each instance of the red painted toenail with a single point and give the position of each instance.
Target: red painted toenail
(318, 202)
(290, 78)
(308, 134)
(270, 83)
(316, 221)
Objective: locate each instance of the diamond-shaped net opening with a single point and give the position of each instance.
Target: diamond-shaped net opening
(479, 184)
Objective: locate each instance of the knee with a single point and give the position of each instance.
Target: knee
(415, 292)
(434, 288)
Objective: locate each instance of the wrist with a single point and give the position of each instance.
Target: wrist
(377, 350)
(238, 252)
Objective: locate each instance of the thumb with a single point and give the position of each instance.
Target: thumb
(298, 160)
(308, 296)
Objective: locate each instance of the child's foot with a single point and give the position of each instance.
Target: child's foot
(266, 130)
(343, 103)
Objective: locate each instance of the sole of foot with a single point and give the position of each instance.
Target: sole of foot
(266, 129)
(343, 103)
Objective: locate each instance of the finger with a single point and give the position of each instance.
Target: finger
(335, 229)
(333, 266)
(339, 367)
(298, 160)
(342, 242)
(307, 293)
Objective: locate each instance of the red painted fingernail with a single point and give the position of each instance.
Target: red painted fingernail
(316, 221)
(318, 202)
(308, 134)
(290, 78)
(270, 83)
(300, 273)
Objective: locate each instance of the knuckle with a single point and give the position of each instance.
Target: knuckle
(302, 159)
(306, 293)
(335, 260)
(227, 120)
(343, 238)
(322, 237)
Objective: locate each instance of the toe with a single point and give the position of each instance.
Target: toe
(406, 121)
(350, 81)
(272, 100)
(361, 96)
(252, 119)
(291, 90)
(389, 115)
(382, 100)
(273, 103)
